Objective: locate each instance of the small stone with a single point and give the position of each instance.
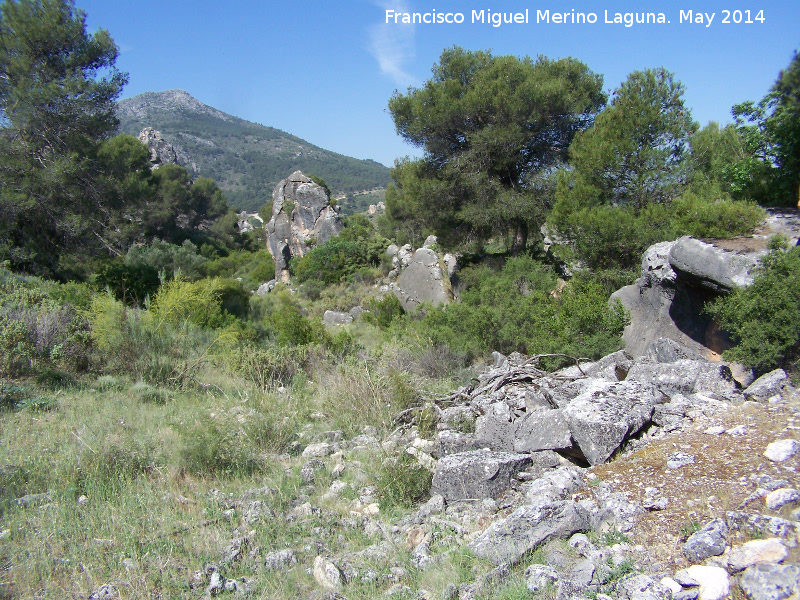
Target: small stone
(327, 574)
(782, 497)
(656, 504)
(83, 500)
(280, 560)
(782, 450)
(715, 430)
(129, 564)
(216, 584)
(671, 585)
(679, 459)
(685, 579)
(414, 537)
(104, 592)
(5, 534)
(714, 581)
(318, 450)
(540, 576)
(755, 552)
(740, 430)
(709, 541)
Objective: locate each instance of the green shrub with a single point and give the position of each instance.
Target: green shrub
(720, 218)
(292, 328)
(267, 367)
(168, 259)
(131, 284)
(403, 482)
(383, 311)
(518, 309)
(764, 318)
(212, 448)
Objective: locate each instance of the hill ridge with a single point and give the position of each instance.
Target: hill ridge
(246, 159)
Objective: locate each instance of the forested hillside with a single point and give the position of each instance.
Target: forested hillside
(246, 159)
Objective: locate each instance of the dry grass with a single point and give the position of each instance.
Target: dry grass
(721, 478)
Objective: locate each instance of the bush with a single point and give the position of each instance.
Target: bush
(764, 318)
(720, 218)
(518, 309)
(383, 311)
(291, 328)
(403, 482)
(205, 303)
(38, 332)
(132, 284)
(267, 367)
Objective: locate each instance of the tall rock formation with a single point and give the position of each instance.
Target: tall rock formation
(302, 215)
(161, 151)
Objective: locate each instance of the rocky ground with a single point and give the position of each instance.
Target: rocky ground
(653, 478)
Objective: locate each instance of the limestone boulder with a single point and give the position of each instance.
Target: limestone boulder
(302, 215)
(477, 474)
(423, 280)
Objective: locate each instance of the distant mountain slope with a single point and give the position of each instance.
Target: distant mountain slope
(245, 159)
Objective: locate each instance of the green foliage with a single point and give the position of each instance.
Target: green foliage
(132, 284)
(721, 218)
(292, 328)
(771, 130)
(167, 259)
(634, 153)
(517, 309)
(38, 332)
(402, 481)
(267, 366)
(764, 318)
(339, 258)
(383, 311)
(57, 94)
(492, 129)
(205, 303)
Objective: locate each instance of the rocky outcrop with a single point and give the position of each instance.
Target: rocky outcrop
(302, 216)
(423, 280)
(161, 151)
(677, 279)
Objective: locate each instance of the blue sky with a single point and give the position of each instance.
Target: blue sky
(324, 71)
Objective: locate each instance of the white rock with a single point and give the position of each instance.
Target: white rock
(715, 430)
(781, 497)
(757, 551)
(782, 450)
(672, 585)
(327, 574)
(318, 450)
(714, 581)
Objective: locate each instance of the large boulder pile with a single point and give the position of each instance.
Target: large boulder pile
(302, 215)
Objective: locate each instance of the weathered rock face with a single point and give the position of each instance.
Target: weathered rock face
(301, 214)
(677, 279)
(161, 151)
(423, 280)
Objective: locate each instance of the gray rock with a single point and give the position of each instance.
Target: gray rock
(301, 211)
(332, 317)
(767, 385)
(684, 376)
(781, 497)
(542, 430)
(538, 577)
(553, 486)
(679, 459)
(281, 560)
(309, 469)
(161, 151)
(104, 592)
(771, 582)
(423, 280)
(582, 573)
(601, 421)
(327, 574)
(478, 474)
(757, 524)
(756, 552)
(430, 241)
(495, 428)
(711, 267)
(709, 541)
(642, 587)
(665, 350)
(523, 530)
(453, 442)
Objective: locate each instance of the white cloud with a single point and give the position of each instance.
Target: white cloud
(392, 44)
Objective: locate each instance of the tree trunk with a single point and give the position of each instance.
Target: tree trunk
(520, 238)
